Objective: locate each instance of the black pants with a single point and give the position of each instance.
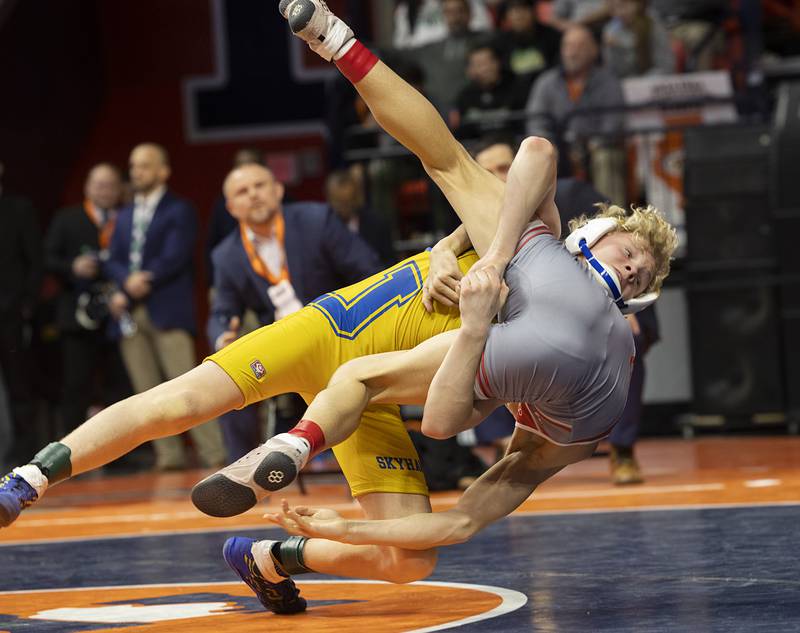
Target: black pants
(15, 362)
(92, 372)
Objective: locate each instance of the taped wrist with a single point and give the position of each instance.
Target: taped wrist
(54, 462)
(288, 555)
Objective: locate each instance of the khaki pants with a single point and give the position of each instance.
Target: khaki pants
(608, 172)
(152, 356)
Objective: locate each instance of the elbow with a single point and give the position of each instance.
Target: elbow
(437, 426)
(464, 529)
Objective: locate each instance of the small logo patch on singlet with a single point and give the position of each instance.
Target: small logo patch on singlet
(259, 371)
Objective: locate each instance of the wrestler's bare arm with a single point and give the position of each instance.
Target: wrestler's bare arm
(451, 399)
(499, 491)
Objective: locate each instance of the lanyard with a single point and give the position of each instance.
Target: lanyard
(104, 229)
(256, 262)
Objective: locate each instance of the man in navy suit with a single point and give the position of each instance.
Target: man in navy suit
(150, 259)
(279, 258)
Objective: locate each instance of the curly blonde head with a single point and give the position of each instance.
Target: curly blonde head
(650, 229)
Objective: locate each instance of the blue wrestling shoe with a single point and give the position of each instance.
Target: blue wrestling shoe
(16, 494)
(278, 594)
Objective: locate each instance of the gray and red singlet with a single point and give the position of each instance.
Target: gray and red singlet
(562, 350)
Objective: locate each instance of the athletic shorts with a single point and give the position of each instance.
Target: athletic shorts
(300, 353)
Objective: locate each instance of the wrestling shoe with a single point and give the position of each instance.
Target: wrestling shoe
(16, 494)
(277, 593)
(313, 21)
(239, 486)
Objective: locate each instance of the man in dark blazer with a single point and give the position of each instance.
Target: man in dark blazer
(280, 258)
(150, 260)
(76, 243)
(20, 278)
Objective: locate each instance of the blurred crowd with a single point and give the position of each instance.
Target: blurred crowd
(119, 266)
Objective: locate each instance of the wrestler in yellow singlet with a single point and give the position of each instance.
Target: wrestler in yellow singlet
(300, 353)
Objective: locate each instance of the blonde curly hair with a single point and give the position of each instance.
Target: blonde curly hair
(650, 229)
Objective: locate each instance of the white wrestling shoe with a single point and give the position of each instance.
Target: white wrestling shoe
(239, 486)
(313, 21)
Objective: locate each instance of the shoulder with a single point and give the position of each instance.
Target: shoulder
(306, 216)
(306, 209)
(68, 213)
(176, 204)
(231, 244)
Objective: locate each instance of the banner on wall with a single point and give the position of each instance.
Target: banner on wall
(659, 154)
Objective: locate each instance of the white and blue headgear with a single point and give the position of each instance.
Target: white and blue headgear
(581, 240)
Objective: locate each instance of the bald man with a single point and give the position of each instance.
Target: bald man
(150, 260)
(280, 258)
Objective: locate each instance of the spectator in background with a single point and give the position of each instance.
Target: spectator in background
(222, 223)
(420, 22)
(6, 424)
(280, 258)
(76, 243)
(20, 278)
(635, 41)
(554, 111)
(490, 96)
(589, 13)
(696, 25)
(624, 466)
(781, 27)
(444, 62)
(150, 260)
(345, 195)
(527, 46)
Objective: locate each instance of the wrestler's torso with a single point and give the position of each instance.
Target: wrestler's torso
(562, 347)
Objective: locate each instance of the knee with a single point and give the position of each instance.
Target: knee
(539, 147)
(172, 409)
(405, 566)
(349, 372)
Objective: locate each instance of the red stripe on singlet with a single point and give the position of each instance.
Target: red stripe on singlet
(483, 381)
(534, 232)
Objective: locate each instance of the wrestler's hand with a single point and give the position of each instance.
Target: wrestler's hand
(442, 283)
(483, 293)
(491, 260)
(309, 522)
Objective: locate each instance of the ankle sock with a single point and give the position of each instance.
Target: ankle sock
(34, 477)
(310, 431)
(354, 60)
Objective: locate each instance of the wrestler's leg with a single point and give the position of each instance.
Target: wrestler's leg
(168, 409)
(171, 408)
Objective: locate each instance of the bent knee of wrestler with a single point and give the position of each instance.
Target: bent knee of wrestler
(360, 369)
(403, 566)
(538, 145)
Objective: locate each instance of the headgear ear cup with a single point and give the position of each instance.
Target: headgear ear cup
(585, 237)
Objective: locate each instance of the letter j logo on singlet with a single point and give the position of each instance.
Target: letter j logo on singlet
(259, 371)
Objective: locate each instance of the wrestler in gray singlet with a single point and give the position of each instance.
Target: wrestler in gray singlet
(562, 349)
